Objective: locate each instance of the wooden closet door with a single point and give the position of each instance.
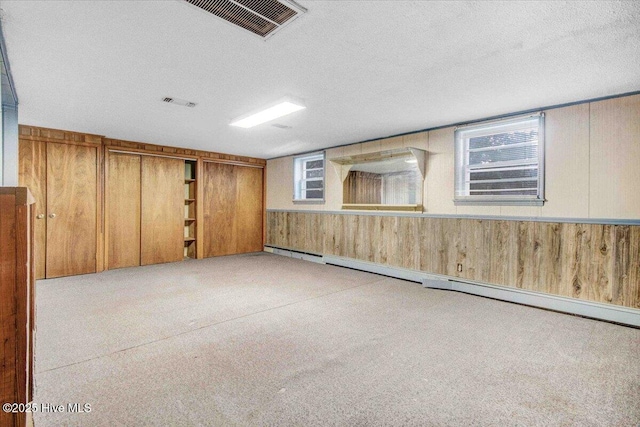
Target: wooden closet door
(219, 209)
(32, 173)
(232, 209)
(162, 230)
(249, 209)
(123, 210)
(71, 209)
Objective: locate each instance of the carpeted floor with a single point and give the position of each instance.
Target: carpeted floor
(267, 340)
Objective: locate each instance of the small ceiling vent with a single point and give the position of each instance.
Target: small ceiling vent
(178, 101)
(261, 17)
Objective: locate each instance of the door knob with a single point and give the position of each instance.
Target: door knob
(40, 216)
(52, 215)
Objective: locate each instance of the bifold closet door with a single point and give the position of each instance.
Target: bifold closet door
(232, 209)
(123, 216)
(162, 210)
(71, 210)
(32, 173)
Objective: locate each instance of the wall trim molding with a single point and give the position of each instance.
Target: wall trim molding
(594, 310)
(602, 221)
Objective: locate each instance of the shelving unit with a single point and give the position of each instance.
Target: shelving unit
(190, 187)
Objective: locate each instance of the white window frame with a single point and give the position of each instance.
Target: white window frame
(299, 180)
(462, 194)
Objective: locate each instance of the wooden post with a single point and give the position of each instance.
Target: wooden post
(17, 300)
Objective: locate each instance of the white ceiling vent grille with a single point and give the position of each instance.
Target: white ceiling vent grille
(261, 17)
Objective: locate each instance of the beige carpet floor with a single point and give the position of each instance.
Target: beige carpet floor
(265, 340)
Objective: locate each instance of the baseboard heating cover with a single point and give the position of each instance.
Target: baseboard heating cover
(295, 254)
(608, 312)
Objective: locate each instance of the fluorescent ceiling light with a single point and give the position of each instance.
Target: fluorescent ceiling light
(412, 161)
(281, 109)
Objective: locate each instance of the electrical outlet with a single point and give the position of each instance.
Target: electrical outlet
(459, 268)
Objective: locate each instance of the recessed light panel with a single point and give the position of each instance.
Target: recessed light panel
(267, 114)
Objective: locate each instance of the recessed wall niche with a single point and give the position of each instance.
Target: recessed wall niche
(385, 180)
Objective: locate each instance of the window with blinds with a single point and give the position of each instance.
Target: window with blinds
(308, 174)
(501, 162)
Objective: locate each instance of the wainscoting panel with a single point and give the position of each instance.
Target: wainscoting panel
(591, 262)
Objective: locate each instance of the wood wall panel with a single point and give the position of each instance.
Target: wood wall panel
(32, 173)
(123, 216)
(177, 151)
(626, 273)
(162, 207)
(591, 262)
(72, 185)
(566, 162)
(614, 158)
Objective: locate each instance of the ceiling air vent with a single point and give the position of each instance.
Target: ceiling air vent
(261, 17)
(178, 101)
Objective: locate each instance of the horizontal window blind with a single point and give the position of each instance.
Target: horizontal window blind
(500, 160)
(309, 177)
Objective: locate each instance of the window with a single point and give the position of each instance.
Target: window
(501, 162)
(308, 178)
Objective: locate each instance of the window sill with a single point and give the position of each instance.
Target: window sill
(380, 207)
(308, 201)
(498, 202)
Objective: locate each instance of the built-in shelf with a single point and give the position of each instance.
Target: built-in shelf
(190, 186)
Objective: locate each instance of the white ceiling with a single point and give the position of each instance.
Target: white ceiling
(366, 69)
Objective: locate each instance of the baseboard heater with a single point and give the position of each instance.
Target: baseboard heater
(295, 254)
(594, 310)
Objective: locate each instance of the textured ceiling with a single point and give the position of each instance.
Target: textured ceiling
(366, 69)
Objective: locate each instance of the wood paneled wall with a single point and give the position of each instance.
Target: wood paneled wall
(112, 196)
(162, 149)
(46, 134)
(590, 262)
